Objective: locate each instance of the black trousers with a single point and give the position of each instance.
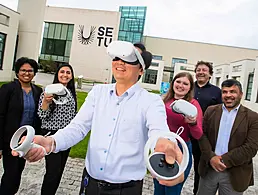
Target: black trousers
(95, 187)
(13, 167)
(55, 164)
(196, 156)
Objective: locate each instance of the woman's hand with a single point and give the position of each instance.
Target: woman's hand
(190, 120)
(47, 99)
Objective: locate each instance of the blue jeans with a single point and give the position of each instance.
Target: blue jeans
(174, 190)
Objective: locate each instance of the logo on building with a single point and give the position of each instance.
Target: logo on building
(104, 35)
(86, 40)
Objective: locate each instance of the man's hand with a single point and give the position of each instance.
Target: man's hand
(1, 154)
(172, 153)
(217, 164)
(36, 154)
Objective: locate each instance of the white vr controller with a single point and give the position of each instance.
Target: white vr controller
(27, 144)
(184, 107)
(58, 89)
(155, 161)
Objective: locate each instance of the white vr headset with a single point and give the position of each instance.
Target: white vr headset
(184, 107)
(125, 51)
(57, 89)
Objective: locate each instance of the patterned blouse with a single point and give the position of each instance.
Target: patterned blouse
(58, 118)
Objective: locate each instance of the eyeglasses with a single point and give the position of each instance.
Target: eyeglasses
(131, 63)
(29, 71)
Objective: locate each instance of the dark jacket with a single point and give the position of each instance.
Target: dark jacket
(11, 110)
(242, 146)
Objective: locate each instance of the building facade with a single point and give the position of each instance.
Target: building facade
(80, 37)
(9, 22)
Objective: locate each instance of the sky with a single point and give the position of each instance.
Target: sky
(225, 22)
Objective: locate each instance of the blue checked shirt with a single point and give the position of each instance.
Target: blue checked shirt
(120, 127)
(226, 123)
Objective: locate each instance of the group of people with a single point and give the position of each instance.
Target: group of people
(24, 103)
(222, 138)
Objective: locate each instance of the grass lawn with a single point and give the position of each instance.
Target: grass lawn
(79, 150)
(1, 83)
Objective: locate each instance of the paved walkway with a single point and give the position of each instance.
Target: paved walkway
(70, 184)
(33, 174)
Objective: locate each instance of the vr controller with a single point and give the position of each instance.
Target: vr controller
(184, 107)
(27, 144)
(156, 162)
(59, 90)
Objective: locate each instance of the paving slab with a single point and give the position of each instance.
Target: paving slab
(70, 184)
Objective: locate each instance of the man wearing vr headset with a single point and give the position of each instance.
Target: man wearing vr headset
(121, 117)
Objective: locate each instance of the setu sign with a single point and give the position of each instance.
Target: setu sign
(104, 35)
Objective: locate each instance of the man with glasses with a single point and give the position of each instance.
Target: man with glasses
(121, 117)
(206, 94)
(19, 103)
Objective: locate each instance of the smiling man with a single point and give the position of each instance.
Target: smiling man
(121, 117)
(228, 144)
(206, 94)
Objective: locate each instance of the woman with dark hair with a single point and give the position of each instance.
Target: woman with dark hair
(55, 117)
(19, 100)
(181, 88)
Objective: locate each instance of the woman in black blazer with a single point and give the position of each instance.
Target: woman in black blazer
(18, 106)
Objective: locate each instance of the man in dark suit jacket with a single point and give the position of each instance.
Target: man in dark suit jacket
(18, 106)
(228, 144)
(207, 95)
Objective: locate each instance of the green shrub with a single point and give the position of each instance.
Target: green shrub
(48, 66)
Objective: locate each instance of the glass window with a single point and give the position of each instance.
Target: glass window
(53, 57)
(2, 47)
(59, 47)
(178, 60)
(217, 81)
(150, 76)
(154, 64)
(64, 31)
(68, 48)
(121, 26)
(132, 22)
(60, 58)
(51, 30)
(43, 47)
(46, 30)
(249, 87)
(58, 31)
(47, 57)
(53, 47)
(70, 33)
(156, 57)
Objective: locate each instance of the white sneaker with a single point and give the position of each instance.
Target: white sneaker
(184, 107)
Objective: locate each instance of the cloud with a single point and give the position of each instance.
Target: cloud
(10, 3)
(227, 22)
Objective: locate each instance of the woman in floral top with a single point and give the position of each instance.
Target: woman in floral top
(55, 117)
